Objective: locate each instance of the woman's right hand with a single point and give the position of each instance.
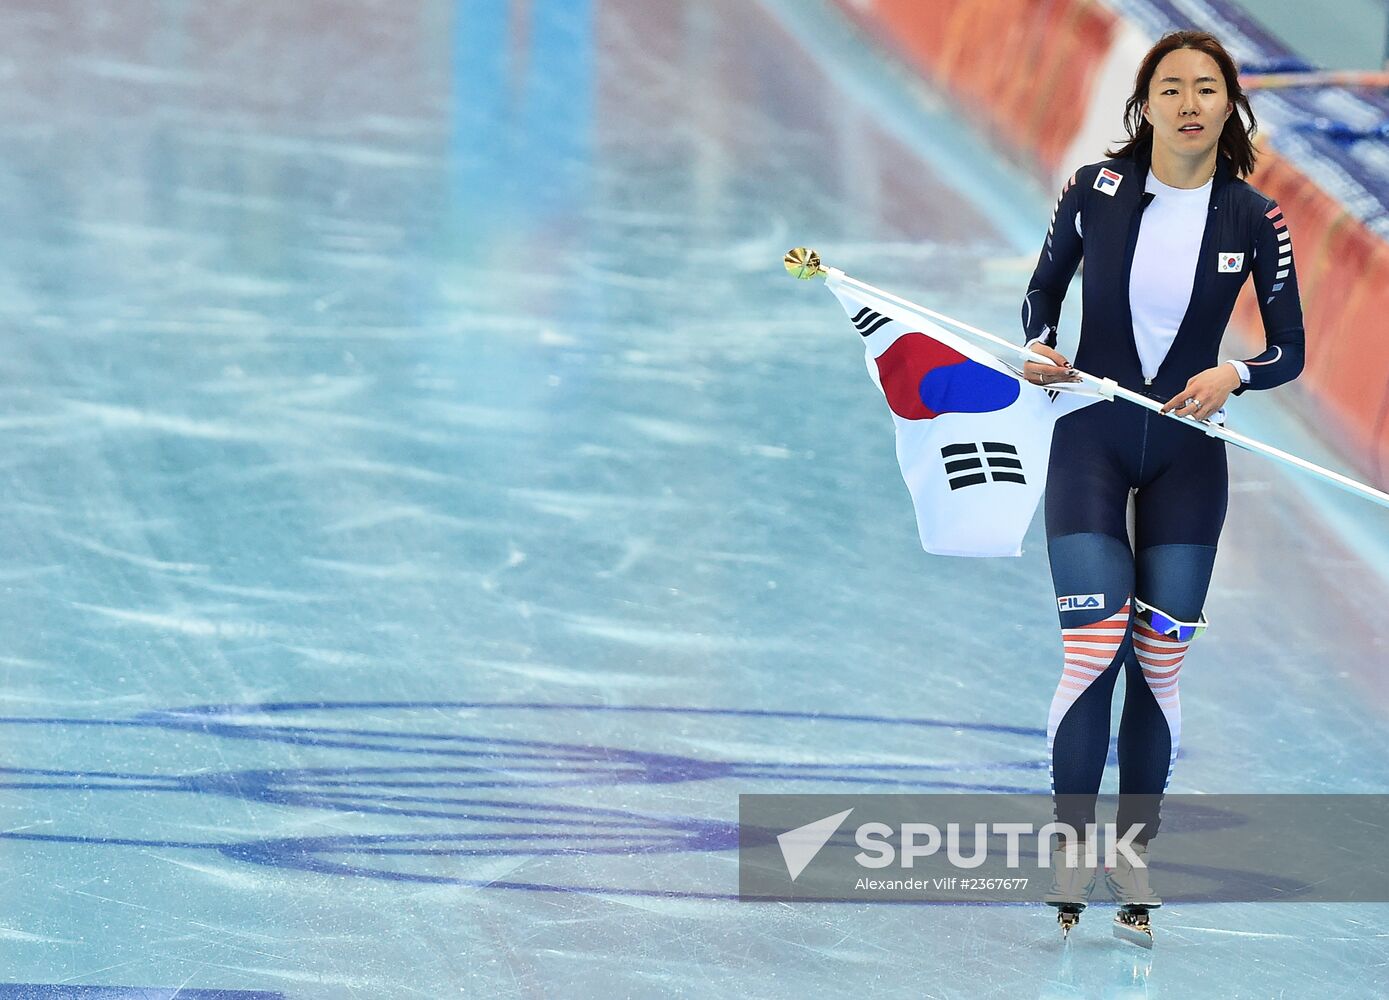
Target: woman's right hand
(1042, 373)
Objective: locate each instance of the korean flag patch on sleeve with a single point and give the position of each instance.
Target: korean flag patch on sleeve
(1230, 263)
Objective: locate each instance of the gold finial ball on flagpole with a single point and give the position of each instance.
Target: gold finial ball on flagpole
(802, 263)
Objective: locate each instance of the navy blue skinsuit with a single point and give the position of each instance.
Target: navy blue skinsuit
(1177, 474)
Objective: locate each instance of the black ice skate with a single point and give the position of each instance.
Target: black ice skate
(1128, 884)
(1071, 886)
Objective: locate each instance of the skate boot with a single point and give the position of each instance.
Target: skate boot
(1071, 886)
(1130, 889)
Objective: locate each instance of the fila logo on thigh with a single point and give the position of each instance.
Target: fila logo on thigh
(1080, 602)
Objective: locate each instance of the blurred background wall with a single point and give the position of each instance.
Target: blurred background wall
(1344, 34)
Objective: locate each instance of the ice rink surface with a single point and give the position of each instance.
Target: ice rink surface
(430, 505)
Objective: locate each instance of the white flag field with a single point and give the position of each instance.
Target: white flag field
(973, 436)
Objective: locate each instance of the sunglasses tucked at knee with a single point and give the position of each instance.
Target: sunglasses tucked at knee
(1166, 625)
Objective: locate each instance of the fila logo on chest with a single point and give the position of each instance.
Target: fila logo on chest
(1108, 181)
(1230, 263)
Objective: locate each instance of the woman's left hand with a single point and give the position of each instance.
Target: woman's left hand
(1205, 392)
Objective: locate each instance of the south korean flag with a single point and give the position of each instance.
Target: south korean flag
(973, 436)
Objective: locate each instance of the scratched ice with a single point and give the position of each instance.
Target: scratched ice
(429, 506)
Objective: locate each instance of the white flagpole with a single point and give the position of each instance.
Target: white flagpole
(803, 263)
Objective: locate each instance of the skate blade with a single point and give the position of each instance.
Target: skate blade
(1143, 937)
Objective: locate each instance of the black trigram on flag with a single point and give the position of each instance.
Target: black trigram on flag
(970, 464)
(867, 322)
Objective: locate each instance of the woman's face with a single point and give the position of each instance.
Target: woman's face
(1187, 103)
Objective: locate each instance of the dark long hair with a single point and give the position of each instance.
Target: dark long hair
(1236, 139)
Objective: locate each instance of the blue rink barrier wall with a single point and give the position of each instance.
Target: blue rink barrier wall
(1331, 179)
